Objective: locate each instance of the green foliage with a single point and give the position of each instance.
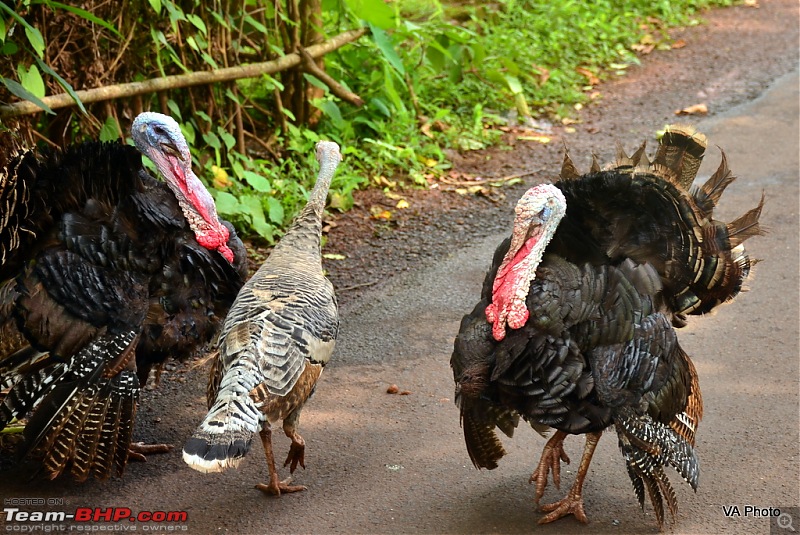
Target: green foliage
(433, 75)
(31, 50)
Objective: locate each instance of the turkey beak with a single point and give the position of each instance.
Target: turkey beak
(536, 222)
(170, 148)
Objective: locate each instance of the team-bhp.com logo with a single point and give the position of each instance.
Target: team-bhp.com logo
(94, 519)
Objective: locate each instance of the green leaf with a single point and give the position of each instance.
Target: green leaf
(227, 139)
(31, 80)
(35, 39)
(513, 84)
(34, 36)
(24, 94)
(188, 132)
(275, 209)
(192, 43)
(110, 130)
(251, 205)
(230, 95)
(341, 202)
(289, 114)
(175, 14)
(226, 203)
(212, 140)
(522, 105)
(257, 182)
(173, 107)
(255, 24)
(156, 5)
(82, 13)
(391, 92)
(63, 83)
(220, 20)
(272, 82)
(331, 110)
(381, 106)
(313, 80)
(384, 43)
(9, 48)
(208, 59)
(200, 40)
(511, 67)
(375, 12)
(198, 23)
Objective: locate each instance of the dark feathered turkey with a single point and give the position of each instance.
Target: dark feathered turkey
(104, 273)
(274, 343)
(575, 327)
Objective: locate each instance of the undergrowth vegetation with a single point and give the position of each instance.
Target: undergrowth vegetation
(432, 75)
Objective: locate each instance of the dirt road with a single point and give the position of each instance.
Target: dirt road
(380, 463)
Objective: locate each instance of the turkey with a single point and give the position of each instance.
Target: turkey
(575, 326)
(274, 343)
(105, 272)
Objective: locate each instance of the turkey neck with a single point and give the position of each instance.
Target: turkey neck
(305, 234)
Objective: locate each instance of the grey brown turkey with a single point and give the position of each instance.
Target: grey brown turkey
(274, 343)
(105, 272)
(575, 326)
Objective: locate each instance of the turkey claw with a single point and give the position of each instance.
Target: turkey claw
(296, 456)
(138, 450)
(275, 488)
(570, 505)
(552, 455)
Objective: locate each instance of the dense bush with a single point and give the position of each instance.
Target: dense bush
(431, 74)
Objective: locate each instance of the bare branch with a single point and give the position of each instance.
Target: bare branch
(183, 80)
(310, 66)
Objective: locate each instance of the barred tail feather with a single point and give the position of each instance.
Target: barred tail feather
(648, 446)
(707, 196)
(746, 226)
(225, 435)
(479, 421)
(681, 151)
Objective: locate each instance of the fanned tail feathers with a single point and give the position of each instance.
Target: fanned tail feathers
(82, 421)
(649, 446)
(708, 264)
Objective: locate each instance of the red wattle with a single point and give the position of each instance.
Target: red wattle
(504, 293)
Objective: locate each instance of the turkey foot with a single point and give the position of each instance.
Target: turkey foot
(552, 455)
(572, 503)
(296, 453)
(138, 450)
(275, 487)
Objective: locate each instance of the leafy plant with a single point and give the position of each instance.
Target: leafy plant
(432, 75)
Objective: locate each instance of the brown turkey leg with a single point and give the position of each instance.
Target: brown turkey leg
(275, 486)
(298, 448)
(138, 450)
(572, 503)
(552, 455)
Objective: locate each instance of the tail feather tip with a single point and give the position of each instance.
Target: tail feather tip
(206, 457)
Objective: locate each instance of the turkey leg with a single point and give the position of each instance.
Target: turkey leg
(138, 450)
(298, 447)
(275, 486)
(572, 503)
(552, 455)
